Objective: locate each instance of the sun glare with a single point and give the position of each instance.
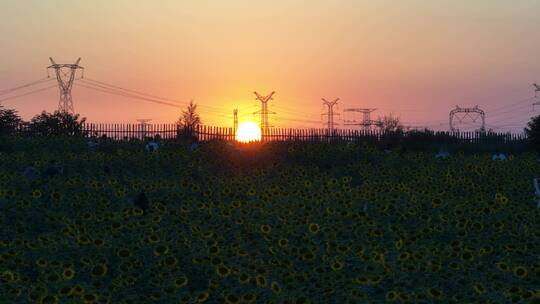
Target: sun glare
(248, 132)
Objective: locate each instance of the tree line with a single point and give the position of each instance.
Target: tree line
(59, 123)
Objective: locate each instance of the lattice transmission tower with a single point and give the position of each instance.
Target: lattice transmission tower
(235, 123)
(143, 123)
(366, 122)
(330, 113)
(264, 111)
(460, 114)
(536, 93)
(65, 75)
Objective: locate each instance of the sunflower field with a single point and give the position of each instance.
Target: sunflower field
(264, 223)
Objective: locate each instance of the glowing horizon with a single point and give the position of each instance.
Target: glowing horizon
(417, 59)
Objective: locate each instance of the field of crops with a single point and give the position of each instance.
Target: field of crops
(274, 223)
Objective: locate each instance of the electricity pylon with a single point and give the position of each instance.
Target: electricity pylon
(235, 125)
(471, 113)
(536, 91)
(264, 111)
(330, 105)
(65, 75)
(366, 118)
(143, 123)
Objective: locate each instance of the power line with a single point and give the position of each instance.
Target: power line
(151, 95)
(103, 84)
(508, 106)
(7, 91)
(295, 113)
(128, 95)
(298, 120)
(28, 93)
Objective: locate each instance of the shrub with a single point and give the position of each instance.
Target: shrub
(9, 121)
(57, 124)
(533, 132)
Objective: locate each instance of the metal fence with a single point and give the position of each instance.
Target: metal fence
(205, 133)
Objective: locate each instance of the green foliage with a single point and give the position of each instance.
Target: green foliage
(533, 132)
(390, 124)
(57, 124)
(190, 118)
(9, 121)
(188, 122)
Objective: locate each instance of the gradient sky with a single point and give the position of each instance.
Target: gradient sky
(417, 59)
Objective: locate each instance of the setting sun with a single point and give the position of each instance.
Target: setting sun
(248, 132)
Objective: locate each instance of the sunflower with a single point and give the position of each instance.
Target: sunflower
(244, 278)
(89, 298)
(391, 296)
(265, 229)
(479, 288)
(170, 261)
(36, 194)
(123, 253)
(260, 281)
(362, 280)
(77, 290)
(435, 293)
(41, 262)
(56, 196)
(314, 228)
(153, 238)
(337, 265)
(202, 297)
(520, 271)
(249, 298)
(232, 299)
(68, 274)
(223, 271)
(49, 299)
(161, 250)
(398, 244)
(503, 266)
(99, 270)
(275, 287)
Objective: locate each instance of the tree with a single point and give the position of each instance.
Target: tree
(390, 124)
(190, 118)
(57, 124)
(533, 132)
(9, 121)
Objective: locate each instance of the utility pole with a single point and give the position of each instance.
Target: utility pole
(366, 118)
(65, 75)
(235, 126)
(536, 91)
(143, 123)
(264, 111)
(330, 105)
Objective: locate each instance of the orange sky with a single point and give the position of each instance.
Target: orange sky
(414, 58)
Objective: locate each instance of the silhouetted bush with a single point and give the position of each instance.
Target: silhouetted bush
(533, 132)
(9, 121)
(57, 124)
